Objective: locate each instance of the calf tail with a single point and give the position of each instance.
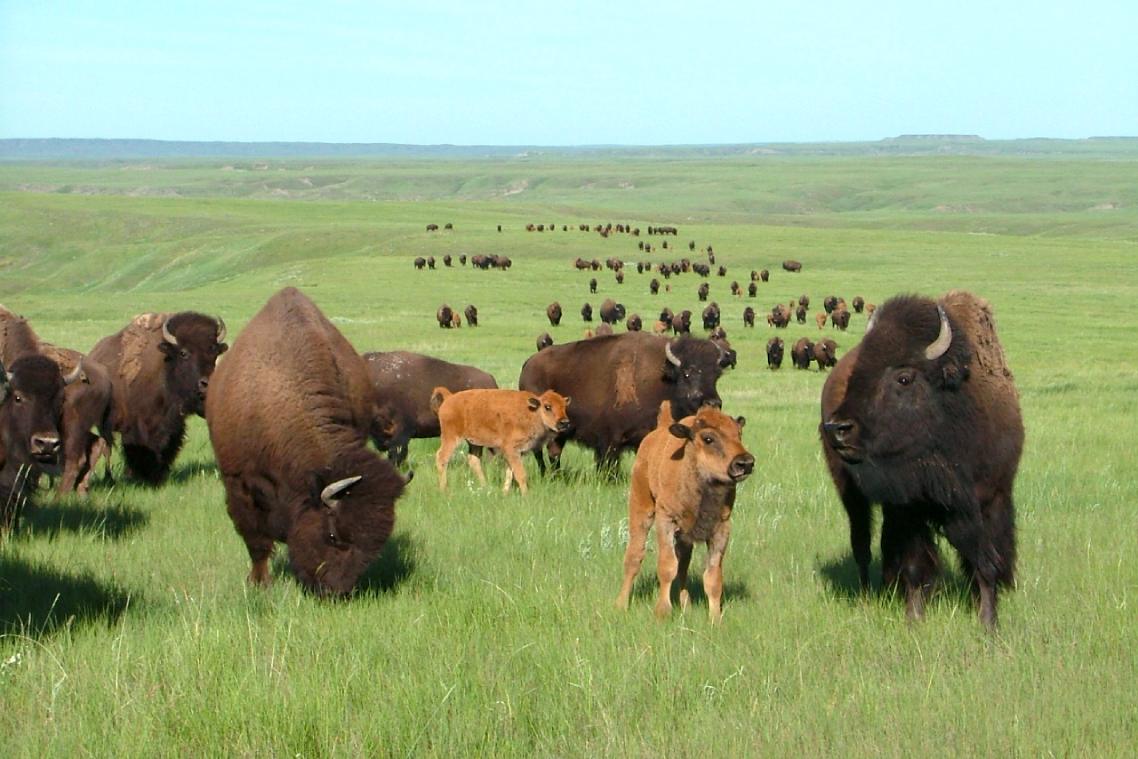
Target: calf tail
(664, 418)
(438, 395)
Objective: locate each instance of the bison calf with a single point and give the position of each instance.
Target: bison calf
(685, 477)
(511, 421)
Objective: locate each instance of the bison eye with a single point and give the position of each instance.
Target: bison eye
(708, 439)
(905, 379)
(18, 398)
(548, 407)
(184, 353)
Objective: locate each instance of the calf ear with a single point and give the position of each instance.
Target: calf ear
(682, 431)
(534, 403)
(741, 421)
(568, 400)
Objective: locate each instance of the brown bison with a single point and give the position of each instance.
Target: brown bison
(160, 367)
(617, 383)
(587, 313)
(289, 413)
(752, 290)
(445, 316)
(802, 353)
(544, 340)
(512, 422)
(553, 313)
(840, 317)
(471, 312)
(31, 402)
(825, 353)
(858, 304)
(792, 265)
(922, 416)
(820, 319)
(681, 323)
(634, 323)
(764, 276)
(703, 291)
(593, 285)
(612, 312)
(432, 227)
(402, 382)
(774, 353)
(749, 317)
(684, 480)
(420, 262)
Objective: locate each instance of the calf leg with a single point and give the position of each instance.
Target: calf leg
(515, 468)
(713, 575)
(641, 512)
(667, 566)
(442, 456)
(474, 461)
(683, 557)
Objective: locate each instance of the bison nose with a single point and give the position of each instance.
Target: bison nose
(741, 466)
(45, 445)
(563, 425)
(713, 402)
(203, 384)
(839, 430)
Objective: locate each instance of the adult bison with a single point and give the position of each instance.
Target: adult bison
(553, 313)
(802, 353)
(289, 413)
(922, 416)
(618, 383)
(612, 312)
(774, 352)
(825, 353)
(792, 265)
(471, 312)
(402, 382)
(160, 367)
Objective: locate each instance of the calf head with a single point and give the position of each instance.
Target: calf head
(31, 401)
(715, 441)
(191, 343)
(344, 522)
(552, 408)
(692, 368)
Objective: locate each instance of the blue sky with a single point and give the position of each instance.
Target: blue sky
(569, 73)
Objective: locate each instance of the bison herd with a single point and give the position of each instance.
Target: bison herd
(921, 417)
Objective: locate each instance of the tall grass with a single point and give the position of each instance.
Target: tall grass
(487, 625)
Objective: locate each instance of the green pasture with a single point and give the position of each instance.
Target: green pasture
(487, 626)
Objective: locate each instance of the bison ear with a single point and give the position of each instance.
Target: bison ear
(4, 380)
(682, 431)
(222, 348)
(741, 421)
(533, 403)
(568, 400)
(954, 375)
(168, 349)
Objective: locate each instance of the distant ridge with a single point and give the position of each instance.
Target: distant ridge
(74, 149)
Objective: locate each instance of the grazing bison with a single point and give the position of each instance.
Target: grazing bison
(617, 383)
(448, 225)
(792, 265)
(840, 317)
(445, 316)
(587, 312)
(752, 290)
(703, 291)
(804, 300)
(749, 317)
(462, 259)
(544, 340)
(31, 402)
(289, 413)
(512, 422)
(471, 312)
(611, 311)
(430, 262)
(858, 304)
(86, 400)
(432, 227)
(160, 367)
(774, 353)
(681, 323)
(830, 302)
(764, 275)
(553, 313)
(802, 353)
(825, 353)
(684, 479)
(922, 416)
(634, 323)
(420, 262)
(779, 317)
(402, 382)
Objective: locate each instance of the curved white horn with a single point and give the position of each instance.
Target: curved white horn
(328, 494)
(74, 375)
(872, 320)
(938, 347)
(669, 355)
(220, 330)
(167, 335)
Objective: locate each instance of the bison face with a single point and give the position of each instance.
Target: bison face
(332, 543)
(715, 440)
(191, 344)
(553, 408)
(900, 398)
(693, 368)
(31, 402)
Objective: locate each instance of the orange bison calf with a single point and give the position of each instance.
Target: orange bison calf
(684, 479)
(511, 421)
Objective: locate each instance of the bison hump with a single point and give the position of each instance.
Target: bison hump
(974, 314)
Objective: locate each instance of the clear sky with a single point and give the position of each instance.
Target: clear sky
(566, 73)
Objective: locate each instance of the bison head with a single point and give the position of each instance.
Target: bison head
(344, 522)
(553, 408)
(901, 397)
(692, 368)
(191, 343)
(31, 401)
(715, 440)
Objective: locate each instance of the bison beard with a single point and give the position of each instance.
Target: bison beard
(923, 417)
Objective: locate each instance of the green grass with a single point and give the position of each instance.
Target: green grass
(487, 627)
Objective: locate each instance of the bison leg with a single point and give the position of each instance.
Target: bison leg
(641, 513)
(713, 575)
(965, 531)
(515, 469)
(858, 511)
(666, 567)
(248, 521)
(76, 462)
(909, 556)
(683, 555)
(446, 450)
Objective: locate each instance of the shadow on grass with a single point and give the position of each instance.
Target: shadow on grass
(395, 563)
(841, 579)
(109, 521)
(645, 587)
(191, 470)
(37, 600)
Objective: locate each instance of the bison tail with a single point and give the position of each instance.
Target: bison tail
(438, 395)
(664, 418)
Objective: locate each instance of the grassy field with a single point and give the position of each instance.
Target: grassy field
(487, 626)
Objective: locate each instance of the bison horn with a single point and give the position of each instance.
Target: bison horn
(871, 322)
(167, 335)
(669, 355)
(74, 374)
(939, 346)
(220, 330)
(328, 494)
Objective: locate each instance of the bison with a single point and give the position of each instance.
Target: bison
(703, 291)
(612, 312)
(512, 422)
(617, 383)
(684, 480)
(544, 340)
(445, 316)
(792, 265)
(587, 312)
(553, 313)
(820, 319)
(471, 312)
(681, 323)
(634, 323)
(774, 353)
(160, 367)
(289, 413)
(748, 317)
(922, 416)
(402, 382)
(825, 353)
(802, 353)
(858, 304)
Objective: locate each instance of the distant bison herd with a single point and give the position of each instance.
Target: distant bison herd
(921, 416)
